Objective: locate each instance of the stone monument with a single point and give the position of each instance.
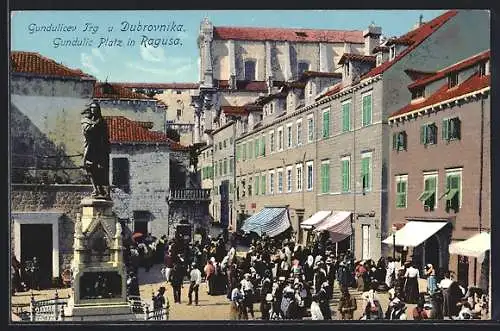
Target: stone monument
(99, 276)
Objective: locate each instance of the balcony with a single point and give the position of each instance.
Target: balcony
(189, 195)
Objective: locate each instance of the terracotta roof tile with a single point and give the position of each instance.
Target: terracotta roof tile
(331, 91)
(166, 86)
(123, 130)
(357, 57)
(469, 62)
(308, 74)
(113, 91)
(290, 34)
(234, 110)
(243, 85)
(417, 36)
(473, 83)
(36, 64)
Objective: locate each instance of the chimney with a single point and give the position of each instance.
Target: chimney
(372, 38)
(420, 22)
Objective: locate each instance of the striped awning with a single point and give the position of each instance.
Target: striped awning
(338, 224)
(315, 219)
(271, 220)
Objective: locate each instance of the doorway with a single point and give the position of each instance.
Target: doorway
(432, 252)
(463, 271)
(141, 226)
(36, 240)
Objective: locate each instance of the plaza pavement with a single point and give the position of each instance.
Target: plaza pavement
(209, 308)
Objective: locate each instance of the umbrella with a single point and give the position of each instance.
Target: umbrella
(136, 236)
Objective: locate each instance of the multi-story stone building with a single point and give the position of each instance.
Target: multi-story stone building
(440, 167)
(239, 65)
(116, 100)
(175, 98)
(341, 162)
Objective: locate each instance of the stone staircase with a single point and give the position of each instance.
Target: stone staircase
(337, 294)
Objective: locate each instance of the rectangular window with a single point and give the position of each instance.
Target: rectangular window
(220, 145)
(346, 116)
(244, 151)
(231, 165)
(257, 148)
(299, 132)
(346, 174)
(366, 171)
(310, 128)
(289, 179)
(231, 141)
(121, 171)
(302, 67)
(263, 184)
(271, 141)
(417, 93)
(289, 138)
(298, 177)
(429, 195)
(249, 186)
(256, 184)
(220, 168)
(428, 134)
(263, 145)
(401, 191)
(452, 79)
(367, 109)
(178, 92)
(250, 70)
(216, 167)
(365, 233)
(451, 129)
(271, 182)
(280, 180)
(225, 143)
(225, 166)
(310, 173)
(325, 177)
(280, 138)
(453, 192)
(326, 123)
(250, 149)
(482, 69)
(238, 152)
(399, 141)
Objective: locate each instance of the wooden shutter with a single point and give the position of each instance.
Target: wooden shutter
(326, 123)
(422, 134)
(456, 127)
(444, 129)
(365, 171)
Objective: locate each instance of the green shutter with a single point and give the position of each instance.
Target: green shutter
(367, 110)
(256, 184)
(216, 173)
(445, 130)
(327, 177)
(263, 184)
(346, 118)
(326, 124)
(365, 171)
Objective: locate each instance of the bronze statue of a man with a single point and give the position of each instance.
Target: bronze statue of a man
(96, 150)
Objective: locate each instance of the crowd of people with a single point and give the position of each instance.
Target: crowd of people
(291, 281)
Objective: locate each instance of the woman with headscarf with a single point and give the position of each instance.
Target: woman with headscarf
(430, 273)
(315, 309)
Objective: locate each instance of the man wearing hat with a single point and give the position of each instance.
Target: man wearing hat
(247, 290)
(195, 278)
(96, 149)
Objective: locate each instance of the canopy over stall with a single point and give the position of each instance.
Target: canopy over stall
(338, 224)
(475, 246)
(315, 219)
(270, 220)
(414, 233)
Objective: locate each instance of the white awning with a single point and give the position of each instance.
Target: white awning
(475, 246)
(414, 233)
(338, 224)
(315, 219)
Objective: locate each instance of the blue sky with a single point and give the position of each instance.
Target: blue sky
(173, 63)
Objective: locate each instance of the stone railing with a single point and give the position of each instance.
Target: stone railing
(189, 195)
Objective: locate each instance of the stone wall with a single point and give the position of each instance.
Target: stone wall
(63, 198)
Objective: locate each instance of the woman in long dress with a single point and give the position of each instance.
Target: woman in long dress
(411, 284)
(430, 272)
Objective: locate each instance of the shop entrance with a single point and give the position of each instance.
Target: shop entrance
(36, 241)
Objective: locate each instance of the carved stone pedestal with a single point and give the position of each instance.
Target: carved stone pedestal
(99, 279)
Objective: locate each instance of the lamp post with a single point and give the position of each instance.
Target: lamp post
(394, 229)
